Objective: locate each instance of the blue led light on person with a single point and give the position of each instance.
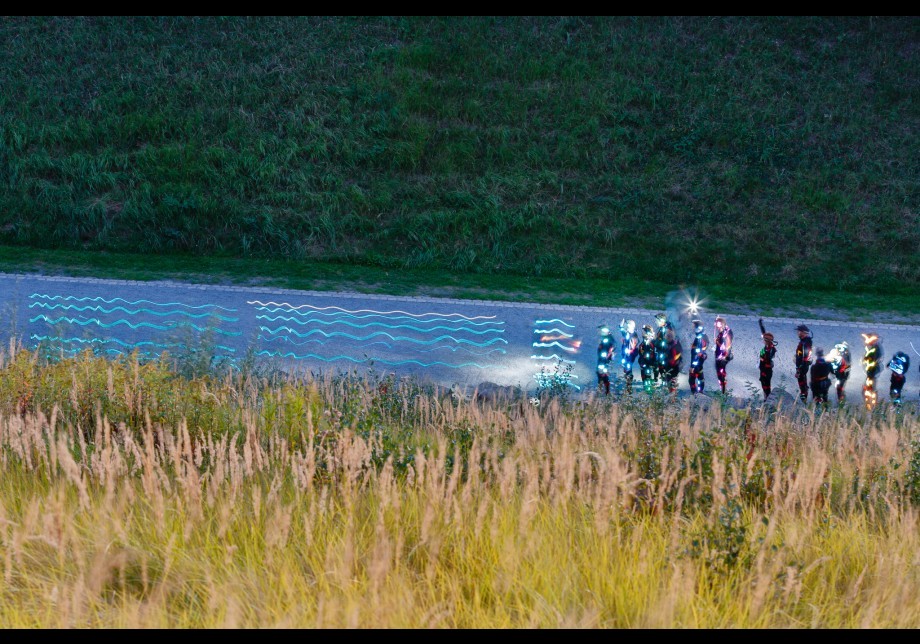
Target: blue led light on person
(661, 344)
(647, 358)
(698, 354)
(629, 350)
(841, 363)
(899, 365)
(605, 351)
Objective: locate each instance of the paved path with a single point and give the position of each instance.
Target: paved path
(463, 342)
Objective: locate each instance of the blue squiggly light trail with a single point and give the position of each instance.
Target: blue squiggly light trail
(547, 345)
(555, 321)
(380, 324)
(470, 351)
(99, 309)
(553, 357)
(339, 308)
(551, 330)
(275, 354)
(311, 314)
(341, 334)
(89, 321)
(129, 345)
(559, 331)
(70, 298)
(285, 338)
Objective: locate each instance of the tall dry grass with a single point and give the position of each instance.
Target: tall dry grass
(373, 502)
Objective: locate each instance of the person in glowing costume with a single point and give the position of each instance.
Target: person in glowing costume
(723, 349)
(629, 349)
(871, 362)
(840, 367)
(605, 350)
(661, 344)
(767, 354)
(899, 366)
(648, 361)
(698, 354)
(803, 359)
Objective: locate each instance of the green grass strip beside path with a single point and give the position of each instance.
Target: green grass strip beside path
(623, 291)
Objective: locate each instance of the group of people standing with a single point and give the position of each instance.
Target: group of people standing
(836, 363)
(659, 355)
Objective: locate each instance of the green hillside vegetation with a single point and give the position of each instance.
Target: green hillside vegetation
(767, 152)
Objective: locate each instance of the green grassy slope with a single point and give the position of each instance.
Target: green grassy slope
(766, 152)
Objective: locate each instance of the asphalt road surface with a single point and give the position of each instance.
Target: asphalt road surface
(452, 342)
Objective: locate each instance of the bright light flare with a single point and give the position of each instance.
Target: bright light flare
(693, 304)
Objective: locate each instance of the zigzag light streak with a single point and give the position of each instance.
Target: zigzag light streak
(99, 309)
(139, 325)
(340, 334)
(547, 345)
(559, 331)
(338, 308)
(310, 314)
(555, 321)
(470, 351)
(394, 363)
(380, 324)
(70, 298)
(553, 357)
(287, 339)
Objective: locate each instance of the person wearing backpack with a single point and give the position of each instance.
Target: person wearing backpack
(899, 365)
(840, 367)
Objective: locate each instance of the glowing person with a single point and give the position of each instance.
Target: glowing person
(698, 354)
(723, 349)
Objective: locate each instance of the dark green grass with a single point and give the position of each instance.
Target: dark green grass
(902, 305)
(746, 154)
